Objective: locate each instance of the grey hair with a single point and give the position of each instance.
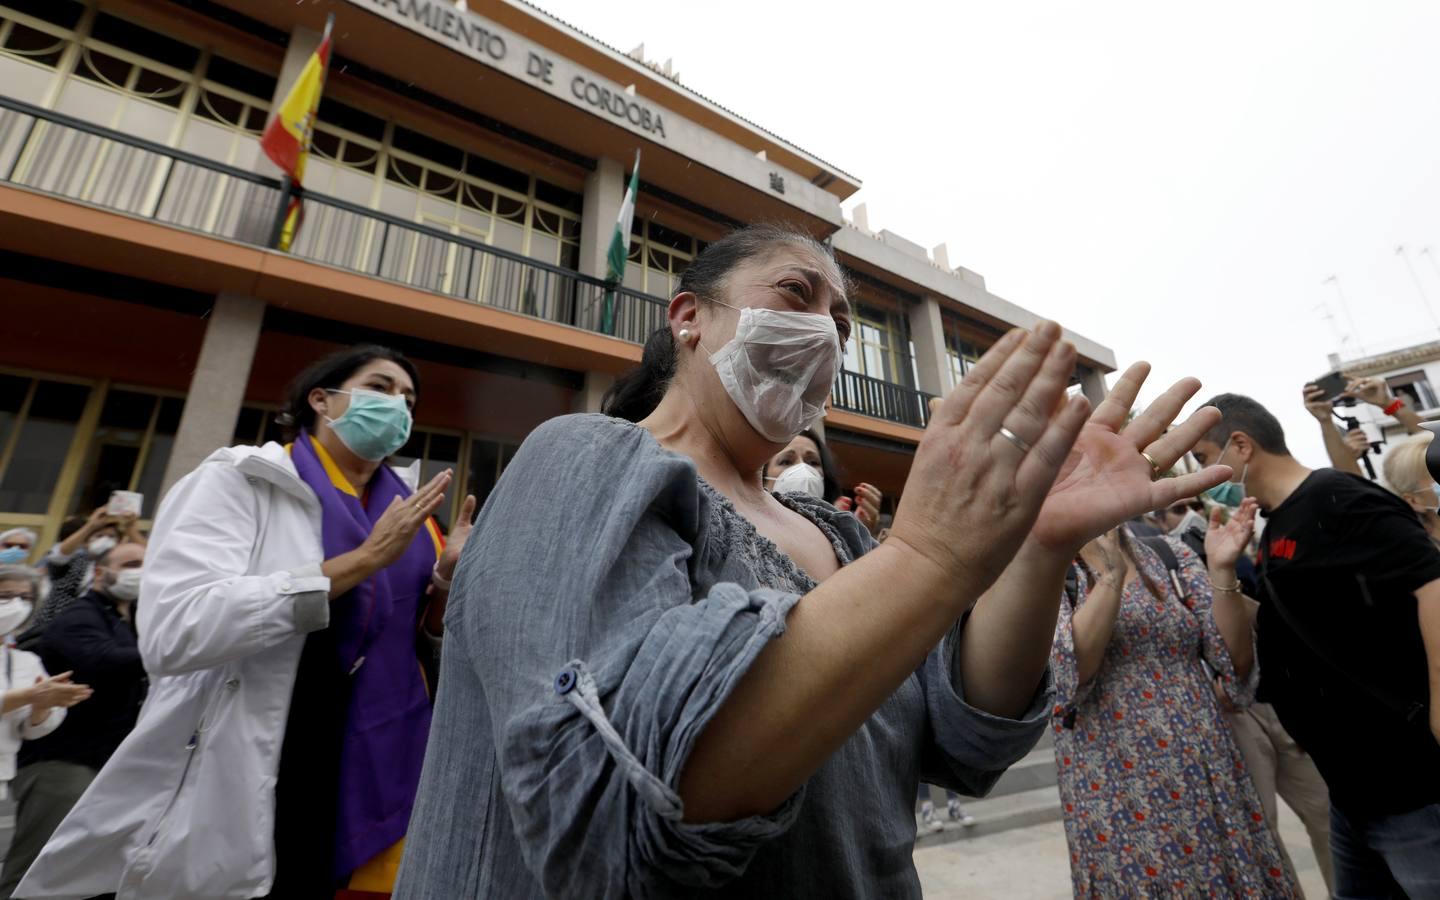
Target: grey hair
(22, 573)
(14, 532)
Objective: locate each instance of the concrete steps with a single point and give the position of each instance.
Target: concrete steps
(1025, 795)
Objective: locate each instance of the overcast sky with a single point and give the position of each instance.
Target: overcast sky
(1173, 183)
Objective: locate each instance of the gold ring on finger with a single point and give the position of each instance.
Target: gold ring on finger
(1154, 466)
(1015, 439)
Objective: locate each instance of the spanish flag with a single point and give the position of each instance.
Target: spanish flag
(287, 138)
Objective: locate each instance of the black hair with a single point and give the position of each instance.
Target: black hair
(1240, 413)
(330, 372)
(635, 394)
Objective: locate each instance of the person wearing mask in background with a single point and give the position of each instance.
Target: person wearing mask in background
(1349, 648)
(1155, 795)
(287, 596)
(1277, 764)
(806, 466)
(16, 545)
(620, 716)
(1406, 474)
(34, 702)
(1186, 521)
(71, 563)
(94, 637)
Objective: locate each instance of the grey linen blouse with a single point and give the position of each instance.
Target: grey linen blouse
(604, 607)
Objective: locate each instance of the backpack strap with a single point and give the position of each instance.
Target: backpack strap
(1162, 549)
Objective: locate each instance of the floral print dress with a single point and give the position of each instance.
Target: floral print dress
(1157, 799)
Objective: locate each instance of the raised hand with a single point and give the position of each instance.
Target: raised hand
(57, 690)
(1358, 443)
(1371, 389)
(867, 501)
(989, 456)
(1317, 404)
(396, 527)
(457, 538)
(1106, 481)
(1224, 543)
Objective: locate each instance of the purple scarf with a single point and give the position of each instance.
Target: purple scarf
(374, 627)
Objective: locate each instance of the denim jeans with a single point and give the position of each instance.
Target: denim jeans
(1384, 856)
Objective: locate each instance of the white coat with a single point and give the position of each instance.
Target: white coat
(19, 669)
(232, 584)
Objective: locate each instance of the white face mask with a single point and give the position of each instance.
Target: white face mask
(126, 585)
(1191, 520)
(13, 613)
(779, 368)
(100, 546)
(801, 478)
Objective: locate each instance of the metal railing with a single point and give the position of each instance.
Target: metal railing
(72, 158)
(881, 399)
(68, 157)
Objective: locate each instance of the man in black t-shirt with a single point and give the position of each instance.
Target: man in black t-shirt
(1349, 636)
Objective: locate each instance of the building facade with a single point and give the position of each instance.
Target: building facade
(1411, 372)
(468, 168)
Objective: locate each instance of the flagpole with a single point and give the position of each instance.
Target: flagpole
(287, 184)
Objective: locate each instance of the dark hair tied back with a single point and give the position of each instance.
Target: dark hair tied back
(635, 394)
(329, 372)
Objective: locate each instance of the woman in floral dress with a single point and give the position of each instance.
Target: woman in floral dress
(1157, 799)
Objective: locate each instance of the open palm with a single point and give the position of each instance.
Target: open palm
(1224, 543)
(1105, 481)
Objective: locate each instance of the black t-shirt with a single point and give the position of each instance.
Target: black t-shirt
(1345, 557)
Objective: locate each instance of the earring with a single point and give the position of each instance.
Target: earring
(685, 336)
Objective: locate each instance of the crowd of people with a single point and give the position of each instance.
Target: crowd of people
(677, 654)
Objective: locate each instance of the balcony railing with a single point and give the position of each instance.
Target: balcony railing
(71, 158)
(68, 157)
(881, 399)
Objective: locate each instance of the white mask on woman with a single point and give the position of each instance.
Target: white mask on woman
(801, 478)
(101, 545)
(13, 613)
(779, 368)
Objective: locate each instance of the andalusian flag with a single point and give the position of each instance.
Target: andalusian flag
(287, 138)
(620, 248)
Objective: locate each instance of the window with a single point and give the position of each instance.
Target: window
(41, 428)
(129, 450)
(658, 257)
(962, 354)
(1416, 387)
(879, 346)
(436, 451)
(488, 460)
(414, 176)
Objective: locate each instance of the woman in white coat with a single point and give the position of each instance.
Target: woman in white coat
(34, 702)
(289, 592)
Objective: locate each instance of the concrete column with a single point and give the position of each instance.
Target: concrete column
(927, 333)
(1092, 385)
(604, 192)
(587, 400)
(217, 387)
(303, 43)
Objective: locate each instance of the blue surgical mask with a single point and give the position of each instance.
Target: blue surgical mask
(374, 426)
(13, 556)
(1230, 493)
